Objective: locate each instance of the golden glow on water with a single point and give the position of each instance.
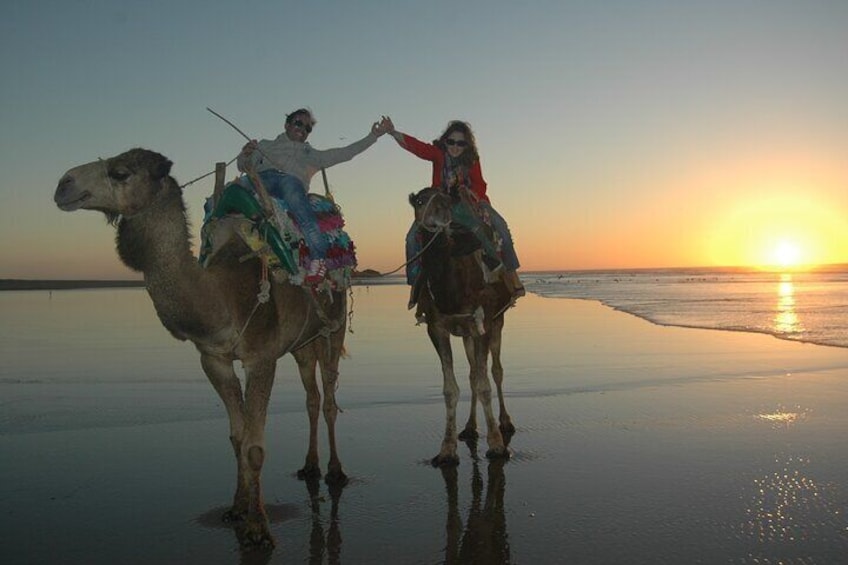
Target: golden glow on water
(790, 506)
(783, 416)
(786, 320)
(787, 418)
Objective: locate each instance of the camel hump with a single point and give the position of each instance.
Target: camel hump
(277, 239)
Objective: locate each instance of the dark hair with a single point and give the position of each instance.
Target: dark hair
(301, 112)
(470, 154)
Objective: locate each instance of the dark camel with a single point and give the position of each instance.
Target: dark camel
(217, 308)
(455, 299)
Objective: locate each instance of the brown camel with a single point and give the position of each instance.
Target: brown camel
(217, 308)
(455, 299)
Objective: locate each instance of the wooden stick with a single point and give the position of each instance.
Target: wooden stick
(264, 197)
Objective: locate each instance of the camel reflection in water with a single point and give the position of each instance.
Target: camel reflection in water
(324, 546)
(483, 539)
(321, 543)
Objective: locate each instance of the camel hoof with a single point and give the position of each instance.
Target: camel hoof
(498, 453)
(336, 478)
(468, 434)
(309, 472)
(233, 516)
(255, 537)
(444, 461)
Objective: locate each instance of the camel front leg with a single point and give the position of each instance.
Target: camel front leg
(247, 413)
(441, 341)
(220, 373)
(259, 379)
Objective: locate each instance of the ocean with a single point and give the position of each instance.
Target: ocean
(810, 307)
(636, 442)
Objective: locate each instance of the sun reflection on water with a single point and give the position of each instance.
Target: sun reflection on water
(784, 417)
(790, 506)
(786, 321)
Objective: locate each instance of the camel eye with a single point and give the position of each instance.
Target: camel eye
(120, 173)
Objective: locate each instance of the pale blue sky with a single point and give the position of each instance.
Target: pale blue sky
(612, 134)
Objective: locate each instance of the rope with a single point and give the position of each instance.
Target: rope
(435, 233)
(230, 162)
(417, 255)
(262, 297)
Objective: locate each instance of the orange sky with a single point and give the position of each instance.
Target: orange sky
(609, 138)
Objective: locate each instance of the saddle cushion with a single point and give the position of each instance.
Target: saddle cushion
(278, 240)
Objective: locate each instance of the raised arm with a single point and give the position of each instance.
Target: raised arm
(329, 157)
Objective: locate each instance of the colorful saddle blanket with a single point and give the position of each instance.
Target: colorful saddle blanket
(277, 240)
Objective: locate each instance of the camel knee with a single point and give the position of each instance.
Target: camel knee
(256, 457)
(451, 394)
(313, 402)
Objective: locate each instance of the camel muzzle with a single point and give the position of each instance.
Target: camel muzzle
(68, 197)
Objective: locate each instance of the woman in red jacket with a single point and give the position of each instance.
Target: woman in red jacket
(456, 164)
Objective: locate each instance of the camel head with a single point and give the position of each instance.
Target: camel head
(432, 208)
(120, 186)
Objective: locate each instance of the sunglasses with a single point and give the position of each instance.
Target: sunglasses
(457, 142)
(302, 125)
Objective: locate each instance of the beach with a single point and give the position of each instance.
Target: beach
(635, 443)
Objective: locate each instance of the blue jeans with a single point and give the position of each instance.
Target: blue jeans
(412, 247)
(290, 189)
(510, 259)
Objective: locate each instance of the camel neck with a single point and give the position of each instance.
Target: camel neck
(156, 243)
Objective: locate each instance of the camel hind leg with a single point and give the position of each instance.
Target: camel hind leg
(329, 361)
(307, 359)
(469, 433)
(326, 353)
(479, 367)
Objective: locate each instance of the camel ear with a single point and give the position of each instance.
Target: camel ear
(162, 167)
(412, 196)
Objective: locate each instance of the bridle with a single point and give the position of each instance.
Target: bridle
(424, 226)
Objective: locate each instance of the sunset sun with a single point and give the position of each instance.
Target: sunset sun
(786, 254)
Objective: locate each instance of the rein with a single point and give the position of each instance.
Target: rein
(435, 231)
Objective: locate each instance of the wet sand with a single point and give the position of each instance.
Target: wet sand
(635, 444)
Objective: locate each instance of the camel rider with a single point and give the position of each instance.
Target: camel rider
(285, 166)
(456, 165)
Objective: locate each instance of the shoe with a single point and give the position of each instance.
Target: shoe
(317, 272)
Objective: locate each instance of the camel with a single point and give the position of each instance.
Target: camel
(455, 299)
(217, 308)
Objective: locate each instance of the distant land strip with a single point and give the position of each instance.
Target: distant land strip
(360, 277)
(24, 284)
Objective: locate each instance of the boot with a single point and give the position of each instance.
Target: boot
(514, 285)
(414, 290)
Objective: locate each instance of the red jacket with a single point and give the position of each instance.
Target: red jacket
(431, 153)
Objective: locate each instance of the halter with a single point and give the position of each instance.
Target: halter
(424, 213)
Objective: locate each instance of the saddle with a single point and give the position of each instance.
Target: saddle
(277, 240)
